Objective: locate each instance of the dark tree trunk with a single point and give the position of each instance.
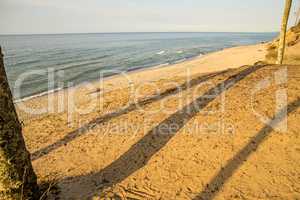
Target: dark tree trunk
(17, 178)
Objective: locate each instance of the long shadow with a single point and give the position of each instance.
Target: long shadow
(92, 124)
(141, 152)
(212, 188)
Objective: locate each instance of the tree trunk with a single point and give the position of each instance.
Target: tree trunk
(281, 45)
(17, 178)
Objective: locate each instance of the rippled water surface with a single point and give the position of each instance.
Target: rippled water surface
(82, 57)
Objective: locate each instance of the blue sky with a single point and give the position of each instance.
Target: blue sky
(82, 16)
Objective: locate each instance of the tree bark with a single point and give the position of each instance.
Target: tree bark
(17, 178)
(281, 45)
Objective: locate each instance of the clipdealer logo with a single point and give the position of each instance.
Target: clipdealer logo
(279, 122)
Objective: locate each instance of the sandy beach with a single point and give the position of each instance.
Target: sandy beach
(212, 62)
(172, 133)
(149, 100)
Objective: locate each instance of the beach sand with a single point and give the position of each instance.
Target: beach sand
(212, 62)
(194, 130)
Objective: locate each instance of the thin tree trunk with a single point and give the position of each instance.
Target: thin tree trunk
(17, 178)
(281, 45)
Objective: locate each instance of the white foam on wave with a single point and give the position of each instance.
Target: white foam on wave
(181, 60)
(160, 53)
(161, 65)
(164, 64)
(37, 95)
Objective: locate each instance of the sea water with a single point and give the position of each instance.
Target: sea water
(83, 57)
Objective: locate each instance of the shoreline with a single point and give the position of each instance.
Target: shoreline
(134, 71)
(129, 71)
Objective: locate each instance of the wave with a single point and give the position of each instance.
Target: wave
(27, 62)
(72, 66)
(72, 60)
(162, 65)
(37, 95)
(161, 52)
(179, 61)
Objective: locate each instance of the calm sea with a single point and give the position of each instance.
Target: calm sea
(82, 57)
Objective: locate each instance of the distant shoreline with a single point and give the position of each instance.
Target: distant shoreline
(29, 34)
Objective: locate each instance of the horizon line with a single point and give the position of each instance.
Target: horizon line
(133, 32)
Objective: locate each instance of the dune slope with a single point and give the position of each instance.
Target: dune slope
(223, 135)
(292, 53)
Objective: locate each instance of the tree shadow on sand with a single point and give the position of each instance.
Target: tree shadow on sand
(141, 152)
(100, 120)
(234, 163)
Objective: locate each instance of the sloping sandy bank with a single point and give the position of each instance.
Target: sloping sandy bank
(198, 138)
